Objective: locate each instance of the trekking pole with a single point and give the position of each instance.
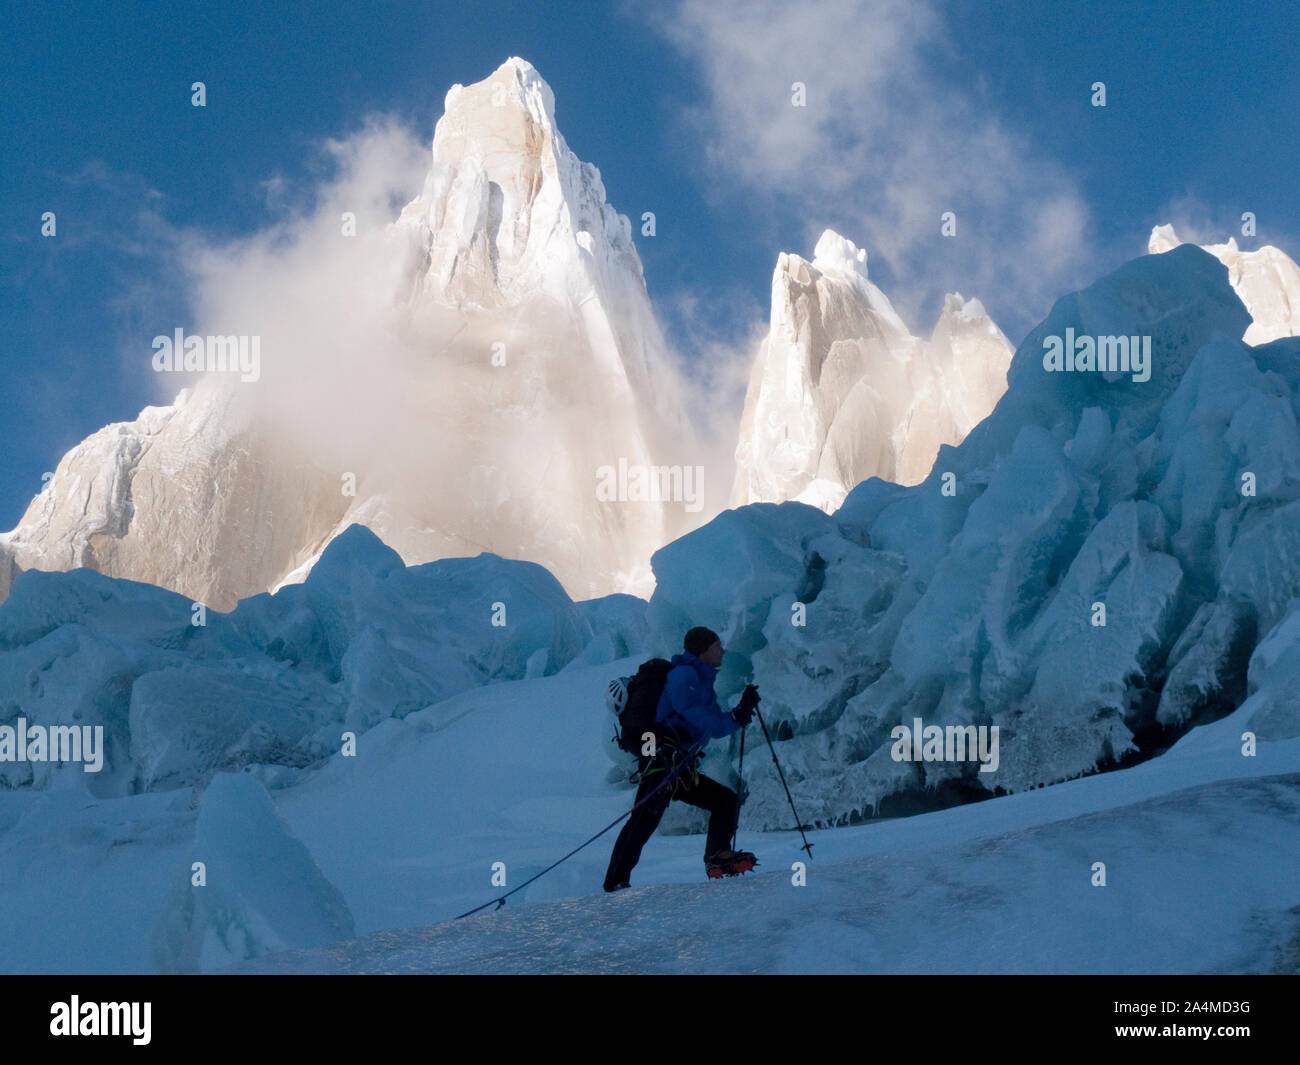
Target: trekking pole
(806, 845)
(740, 787)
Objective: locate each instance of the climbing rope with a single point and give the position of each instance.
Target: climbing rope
(678, 766)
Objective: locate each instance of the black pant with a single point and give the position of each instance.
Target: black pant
(688, 787)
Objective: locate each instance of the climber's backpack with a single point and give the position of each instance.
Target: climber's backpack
(637, 716)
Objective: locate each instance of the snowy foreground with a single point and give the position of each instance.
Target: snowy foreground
(1199, 845)
(1201, 864)
(1202, 870)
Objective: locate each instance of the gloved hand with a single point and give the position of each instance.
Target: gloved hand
(744, 712)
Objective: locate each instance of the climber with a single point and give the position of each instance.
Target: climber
(687, 717)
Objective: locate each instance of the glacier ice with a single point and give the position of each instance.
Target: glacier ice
(281, 677)
(1090, 570)
(262, 891)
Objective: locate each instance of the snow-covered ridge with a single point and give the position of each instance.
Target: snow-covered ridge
(394, 838)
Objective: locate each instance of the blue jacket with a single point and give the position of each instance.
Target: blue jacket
(688, 704)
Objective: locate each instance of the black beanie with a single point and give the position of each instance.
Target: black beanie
(699, 640)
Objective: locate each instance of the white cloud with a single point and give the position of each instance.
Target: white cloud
(887, 141)
(725, 327)
(336, 367)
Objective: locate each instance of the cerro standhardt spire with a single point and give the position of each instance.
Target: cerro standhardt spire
(1267, 281)
(842, 391)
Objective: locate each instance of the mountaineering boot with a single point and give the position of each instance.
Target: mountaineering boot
(618, 887)
(729, 863)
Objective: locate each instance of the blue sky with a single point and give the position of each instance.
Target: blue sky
(977, 107)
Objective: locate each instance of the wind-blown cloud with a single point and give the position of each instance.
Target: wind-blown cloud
(1198, 222)
(887, 142)
(334, 363)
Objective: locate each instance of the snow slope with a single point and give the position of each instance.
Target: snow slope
(1201, 873)
(1201, 876)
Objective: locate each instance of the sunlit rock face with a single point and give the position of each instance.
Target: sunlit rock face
(1267, 280)
(842, 391)
(511, 354)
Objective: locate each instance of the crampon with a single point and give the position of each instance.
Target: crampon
(729, 863)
